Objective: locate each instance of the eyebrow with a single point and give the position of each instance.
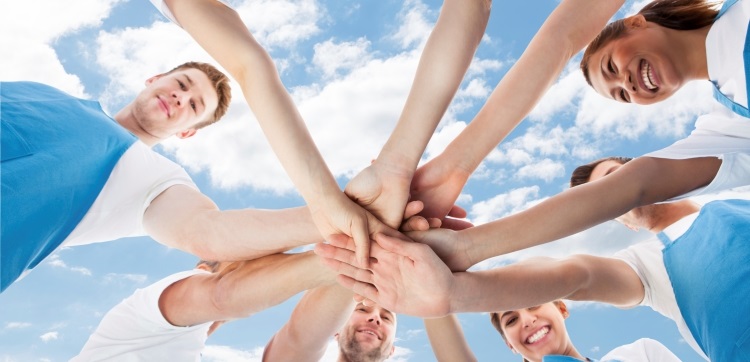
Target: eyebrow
(200, 98)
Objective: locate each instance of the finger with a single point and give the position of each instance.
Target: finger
(358, 298)
(456, 224)
(366, 290)
(415, 223)
(397, 246)
(361, 236)
(342, 241)
(457, 211)
(339, 254)
(350, 271)
(434, 222)
(367, 302)
(413, 208)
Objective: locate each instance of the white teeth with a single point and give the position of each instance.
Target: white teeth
(538, 335)
(647, 74)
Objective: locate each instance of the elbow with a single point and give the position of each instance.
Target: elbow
(223, 299)
(578, 274)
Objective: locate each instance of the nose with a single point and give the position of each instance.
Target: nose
(528, 319)
(180, 98)
(374, 319)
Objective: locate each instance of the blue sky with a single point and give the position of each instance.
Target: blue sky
(348, 66)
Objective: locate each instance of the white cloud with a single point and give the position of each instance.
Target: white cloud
(216, 353)
(17, 325)
(55, 261)
(281, 23)
(412, 333)
(49, 336)
(595, 349)
(332, 353)
(30, 28)
(414, 28)
(332, 57)
(545, 170)
(502, 204)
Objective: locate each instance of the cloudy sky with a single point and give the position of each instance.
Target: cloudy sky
(348, 66)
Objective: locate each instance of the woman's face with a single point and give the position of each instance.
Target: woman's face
(638, 67)
(537, 331)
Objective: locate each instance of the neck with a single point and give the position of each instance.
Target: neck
(127, 120)
(670, 213)
(690, 48)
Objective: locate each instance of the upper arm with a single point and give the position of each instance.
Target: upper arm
(608, 280)
(659, 179)
(177, 217)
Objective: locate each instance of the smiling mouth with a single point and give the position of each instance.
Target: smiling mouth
(647, 74)
(370, 332)
(163, 106)
(538, 335)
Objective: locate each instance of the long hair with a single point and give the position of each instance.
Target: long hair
(672, 14)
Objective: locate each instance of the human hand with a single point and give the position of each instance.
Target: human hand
(382, 189)
(438, 184)
(404, 277)
(448, 245)
(339, 215)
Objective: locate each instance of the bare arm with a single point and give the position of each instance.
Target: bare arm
(643, 181)
(447, 339)
(183, 218)
(242, 288)
(383, 188)
(221, 32)
(318, 316)
(409, 278)
(570, 27)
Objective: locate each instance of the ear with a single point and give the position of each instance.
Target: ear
(152, 79)
(510, 347)
(635, 21)
(186, 133)
(393, 349)
(563, 309)
(336, 336)
(203, 266)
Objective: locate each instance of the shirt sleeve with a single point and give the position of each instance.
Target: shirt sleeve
(164, 9)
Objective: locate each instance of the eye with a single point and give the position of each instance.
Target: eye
(533, 308)
(510, 321)
(386, 318)
(182, 85)
(192, 105)
(610, 66)
(624, 96)
(361, 310)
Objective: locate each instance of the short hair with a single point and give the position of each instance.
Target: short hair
(672, 14)
(220, 82)
(582, 174)
(212, 265)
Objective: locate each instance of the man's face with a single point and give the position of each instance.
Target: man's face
(369, 334)
(173, 103)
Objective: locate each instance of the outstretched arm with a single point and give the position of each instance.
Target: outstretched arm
(383, 188)
(318, 316)
(409, 278)
(183, 218)
(570, 27)
(221, 32)
(242, 288)
(643, 181)
(447, 339)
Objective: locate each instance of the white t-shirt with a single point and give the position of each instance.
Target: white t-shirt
(138, 177)
(724, 45)
(162, 7)
(722, 133)
(647, 261)
(642, 350)
(135, 330)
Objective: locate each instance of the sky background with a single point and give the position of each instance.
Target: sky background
(348, 66)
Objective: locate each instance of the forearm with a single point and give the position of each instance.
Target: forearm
(447, 339)
(443, 63)
(517, 286)
(256, 285)
(242, 288)
(221, 32)
(317, 317)
(571, 26)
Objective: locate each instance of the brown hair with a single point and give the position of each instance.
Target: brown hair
(582, 174)
(220, 81)
(672, 14)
